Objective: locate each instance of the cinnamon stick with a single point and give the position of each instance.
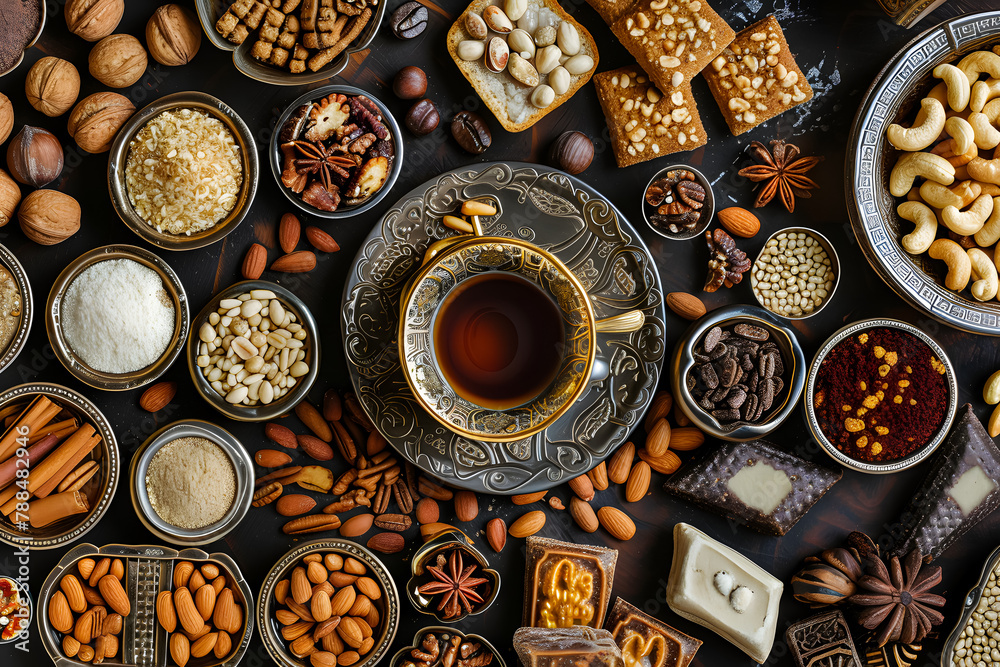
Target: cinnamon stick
(47, 511)
(26, 424)
(48, 470)
(36, 452)
(64, 427)
(49, 486)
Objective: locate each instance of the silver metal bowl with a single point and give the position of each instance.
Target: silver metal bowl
(971, 601)
(388, 604)
(892, 97)
(9, 261)
(445, 541)
(209, 12)
(69, 530)
(275, 157)
(119, 156)
(242, 469)
(707, 211)
(683, 361)
(831, 252)
(403, 654)
(889, 466)
(41, 27)
(73, 363)
(284, 404)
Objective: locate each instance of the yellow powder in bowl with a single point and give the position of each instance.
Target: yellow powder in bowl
(191, 483)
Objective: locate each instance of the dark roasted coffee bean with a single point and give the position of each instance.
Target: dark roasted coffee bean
(707, 404)
(712, 338)
(719, 351)
(752, 382)
(708, 376)
(720, 394)
(767, 394)
(751, 332)
(736, 398)
(726, 414)
(747, 363)
(422, 118)
(766, 365)
(727, 374)
(779, 365)
(409, 20)
(750, 406)
(471, 132)
(778, 383)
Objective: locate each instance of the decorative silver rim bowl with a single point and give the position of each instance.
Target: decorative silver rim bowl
(242, 471)
(896, 90)
(20, 339)
(209, 12)
(707, 210)
(831, 252)
(41, 28)
(118, 158)
(275, 156)
(888, 466)
(59, 535)
(683, 361)
(270, 629)
(282, 405)
(73, 363)
(969, 604)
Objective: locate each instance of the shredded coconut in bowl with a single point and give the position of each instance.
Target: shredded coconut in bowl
(184, 171)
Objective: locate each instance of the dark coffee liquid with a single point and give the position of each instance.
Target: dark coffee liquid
(499, 340)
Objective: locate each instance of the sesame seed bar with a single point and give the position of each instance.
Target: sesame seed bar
(756, 77)
(644, 122)
(610, 10)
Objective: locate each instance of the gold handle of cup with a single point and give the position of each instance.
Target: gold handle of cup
(624, 323)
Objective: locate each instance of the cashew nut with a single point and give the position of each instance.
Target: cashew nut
(978, 62)
(987, 171)
(983, 92)
(961, 133)
(985, 135)
(991, 390)
(959, 88)
(959, 195)
(991, 189)
(919, 137)
(992, 110)
(920, 239)
(959, 264)
(911, 165)
(984, 273)
(948, 150)
(990, 233)
(939, 93)
(971, 220)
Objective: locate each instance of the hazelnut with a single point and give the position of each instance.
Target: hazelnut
(117, 61)
(52, 86)
(34, 157)
(93, 19)
(96, 120)
(572, 152)
(410, 83)
(422, 118)
(49, 217)
(10, 197)
(173, 35)
(6, 117)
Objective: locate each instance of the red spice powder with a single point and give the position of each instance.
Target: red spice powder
(880, 395)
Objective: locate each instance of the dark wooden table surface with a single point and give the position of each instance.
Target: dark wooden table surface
(840, 45)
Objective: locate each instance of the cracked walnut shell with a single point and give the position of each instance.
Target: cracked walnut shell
(117, 61)
(173, 35)
(96, 120)
(93, 19)
(52, 86)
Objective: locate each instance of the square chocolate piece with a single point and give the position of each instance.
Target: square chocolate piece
(578, 646)
(610, 10)
(567, 584)
(765, 487)
(674, 40)
(643, 638)
(645, 122)
(823, 639)
(756, 77)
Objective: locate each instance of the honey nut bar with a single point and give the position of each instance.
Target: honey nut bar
(644, 122)
(610, 10)
(673, 40)
(756, 77)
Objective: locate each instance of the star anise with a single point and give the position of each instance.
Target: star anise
(454, 583)
(780, 171)
(317, 159)
(898, 601)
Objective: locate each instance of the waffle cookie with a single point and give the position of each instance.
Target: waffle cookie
(644, 122)
(610, 10)
(756, 77)
(673, 40)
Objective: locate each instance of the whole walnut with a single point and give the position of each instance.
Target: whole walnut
(117, 61)
(10, 197)
(96, 120)
(173, 35)
(6, 117)
(52, 86)
(49, 217)
(93, 19)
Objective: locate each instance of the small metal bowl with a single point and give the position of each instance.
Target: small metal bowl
(69, 530)
(388, 604)
(707, 210)
(22, 614)
(683, 361)
(971, 601)
(73, 363)
(41, 27)
(447, 540)
(274, 152)
(284, 404)
(888, 466)
(831, 252)
(209, 13)
(403, 654)
(118, 158)
(9, 261)
(242, 469)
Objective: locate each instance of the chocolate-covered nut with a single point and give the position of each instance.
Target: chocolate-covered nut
(572, 152)
(409, 20)
(422, 118)
(471, 132)
(410, 83)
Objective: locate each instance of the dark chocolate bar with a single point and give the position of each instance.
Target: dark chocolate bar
(754, 481)
(640, 636)
(578, 646)
(823, 639)
(960, 490)
(567, 584)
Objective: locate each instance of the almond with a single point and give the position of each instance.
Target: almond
(321, 240)
(254, 262)
(527, 524)
(583, 514)
(659, 408)
(280, 435)
(739, 221)
(357, 525)
(320, 606)
(113, 593)
(343, 600)
(289, 230)
(638, 482)
(599, 476)
(685, 439)
(300, 261)
(70, 585)
(387, 543)
(85, 567)
(466, 505)
(60, 616)
(271, 458)
(117, 569)
(226, 615)
(528, 498)
(294, 504)
(350, 632)
(616, 522)
(658, 440)
(301, 587)
(314, 447)
(369, 588)
(204, 645)
(195, 581)
(582, 487)
(496, 534)
(665, 465)
(84, 627)
(620, 463)
(182, 572)
(323, 659)
(180, 649)
(158, 396)
(313, 420)
(428, 511)
(70, 646)
(223, 646)
(165, 613)
(686, 305)
(317, 574)
(102, 568)
(187, 612)
(204, 600)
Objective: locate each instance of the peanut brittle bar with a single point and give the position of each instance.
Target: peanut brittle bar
(610, 10)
